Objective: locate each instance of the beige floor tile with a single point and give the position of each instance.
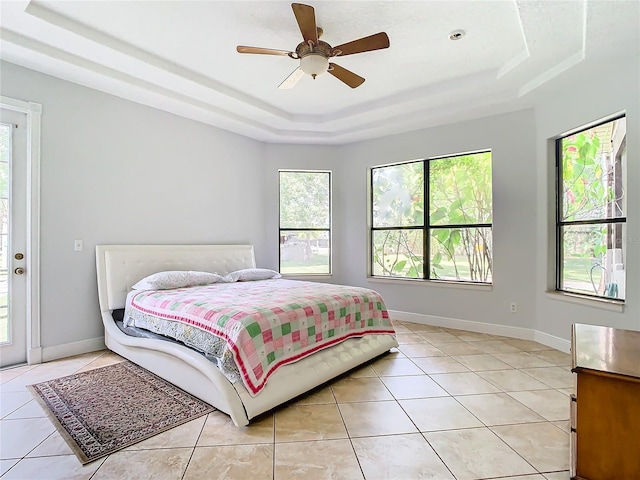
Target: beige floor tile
(182, 436)
(564, 425)
(107, 358)
(555, 377)
(319, 460)
(465, 383)
(360, 390)
(527, 345)
(473, 336)
(394, 352)
(439, 338)
(11, 401)
(399, 456)
(404, 338)
(220, 430)
(224, 448)
(65, 467)
(25, 434)
(31, 409)
(567, 391)
(477, 363)
(522, 360)
(498, 409)
(537, 476)
(396, 367)
(495, 346)
(5, 465)
(491, 457)
(420, 386)
(375, 418)
(543, 445)
(53, 445)
(439, 365)
(44, 372)
(512, 380)
(550, 404)
(298, 423)
(317, 396)
(440, 413)
(364, 371)
(13, 372)
(419, 327)
(236, 462)
(554, 357)
(401, 328)
(460, 348)
(160, 464)
(557, 475)
(420, 350)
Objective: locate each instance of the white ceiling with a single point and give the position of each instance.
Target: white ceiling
(180, 56)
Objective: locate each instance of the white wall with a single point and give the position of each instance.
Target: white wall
(613, 88)
(117, 172)
(113, 171)
(302, 157)
(512, 141)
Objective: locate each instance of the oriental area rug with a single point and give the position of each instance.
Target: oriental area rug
(101, 411)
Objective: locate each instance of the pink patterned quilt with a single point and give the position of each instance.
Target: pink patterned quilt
(270, 323)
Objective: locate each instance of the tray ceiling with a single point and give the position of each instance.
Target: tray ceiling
(180, 57)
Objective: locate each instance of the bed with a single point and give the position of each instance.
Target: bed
(119, 267)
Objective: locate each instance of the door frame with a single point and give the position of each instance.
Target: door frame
(34, 114)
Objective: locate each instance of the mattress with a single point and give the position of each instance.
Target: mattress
(253, 328)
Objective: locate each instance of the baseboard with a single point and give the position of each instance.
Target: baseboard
(490, 328)
(70, 349)
(552, 341)
(34, 356)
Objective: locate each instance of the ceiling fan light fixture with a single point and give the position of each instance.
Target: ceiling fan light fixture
(314, 64)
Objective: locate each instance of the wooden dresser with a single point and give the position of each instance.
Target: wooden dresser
(605, 412)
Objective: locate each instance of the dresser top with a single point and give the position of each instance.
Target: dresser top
(606, 349)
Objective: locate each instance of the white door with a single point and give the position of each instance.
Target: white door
(13, 237)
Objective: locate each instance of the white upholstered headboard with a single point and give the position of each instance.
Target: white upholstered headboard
(121, 266)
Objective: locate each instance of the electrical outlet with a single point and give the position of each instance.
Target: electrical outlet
(77, 245)
(514, 307)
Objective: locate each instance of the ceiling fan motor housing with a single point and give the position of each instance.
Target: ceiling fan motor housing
(314, 59)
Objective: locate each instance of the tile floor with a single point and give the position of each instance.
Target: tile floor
(448, 404)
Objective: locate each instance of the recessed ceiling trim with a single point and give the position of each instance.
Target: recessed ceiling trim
(410, 98)
(53, 52)
(46, 15)
(551, 73)
(520, 58)
(523, 55)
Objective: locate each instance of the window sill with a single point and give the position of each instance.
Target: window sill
(440, 284)
(321, 276)
(603, 303)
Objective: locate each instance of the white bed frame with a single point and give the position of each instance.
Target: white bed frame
(120, 266)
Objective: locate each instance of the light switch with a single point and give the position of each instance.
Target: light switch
(77, 245)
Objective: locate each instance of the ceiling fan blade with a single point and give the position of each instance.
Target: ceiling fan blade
(365, 44)
(306, 18)
(262, 51)
(292, 79)
(345, 75)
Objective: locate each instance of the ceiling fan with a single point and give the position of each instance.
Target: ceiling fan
(314, 54)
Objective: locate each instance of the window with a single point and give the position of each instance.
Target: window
(591, 210)
(453, 225)
(305, 222)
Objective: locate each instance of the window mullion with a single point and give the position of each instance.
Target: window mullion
(426, 256)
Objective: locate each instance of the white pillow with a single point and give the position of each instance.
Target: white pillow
(177, 279)
(250, 274)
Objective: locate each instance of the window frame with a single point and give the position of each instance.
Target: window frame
(329, 230)
(426, 227)
(559, 223)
